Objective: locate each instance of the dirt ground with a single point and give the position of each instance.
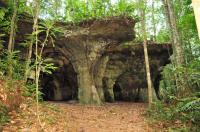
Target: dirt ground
(73, 117)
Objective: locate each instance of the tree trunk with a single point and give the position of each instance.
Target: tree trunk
(12, 38)
(169, 27)
(196, 5)
(179, 60)
(30, 48)
(37, 68)
(179, 57)
(149, 83)
(153, 21)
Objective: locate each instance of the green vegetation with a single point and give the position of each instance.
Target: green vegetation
(79, 10)
(4, 118)
(181, 115)
(180, 87)
(180, 84)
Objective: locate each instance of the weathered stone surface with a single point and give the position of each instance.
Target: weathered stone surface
(86, 45)
(93, 63)
(125, 76)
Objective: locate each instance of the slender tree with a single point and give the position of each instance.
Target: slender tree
(12, 37)
(36, 5)
(179, 57)
(30, 44)
(153, 20)
(143, 27)
(168, 25)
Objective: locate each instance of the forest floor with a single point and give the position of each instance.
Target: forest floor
(73, 117)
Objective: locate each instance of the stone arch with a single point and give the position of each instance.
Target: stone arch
(109, 79)
(131, 60)
(62, 84)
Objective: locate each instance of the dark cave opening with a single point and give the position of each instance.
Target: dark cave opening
(130, 87)
(126, 94)
(61, 85)
(117, 92)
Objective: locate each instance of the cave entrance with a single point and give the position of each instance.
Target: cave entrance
(127, 94)
(128, 87)
(61, 85)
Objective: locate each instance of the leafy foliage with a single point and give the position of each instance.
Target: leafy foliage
(4, 118)
(184, 112)
(29, 91)
(183, 99)
(188, 77)
(79, 10)
(17, 65)
(183, 102)
(4, 25)
(179, 87)
(163, 36)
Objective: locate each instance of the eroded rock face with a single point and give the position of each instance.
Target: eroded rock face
(125, 76)
(94, 65)
(119, 74)
(85, 45)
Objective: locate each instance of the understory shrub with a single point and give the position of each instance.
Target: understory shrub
(29, 91)
(180, 81)
(185, 112)
(4, 118)
(180, 93)
(17, 64)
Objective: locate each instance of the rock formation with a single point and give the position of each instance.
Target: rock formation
(125, 76)
(95, 64)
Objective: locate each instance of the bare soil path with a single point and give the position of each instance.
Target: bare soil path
(111, 117)
(73, 117)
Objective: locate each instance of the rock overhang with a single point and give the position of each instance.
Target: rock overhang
(90, 48)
